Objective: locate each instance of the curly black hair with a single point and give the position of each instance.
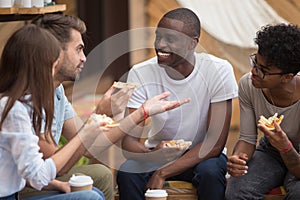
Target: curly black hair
(280, 45)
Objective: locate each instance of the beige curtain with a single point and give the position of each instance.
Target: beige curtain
(233, 22)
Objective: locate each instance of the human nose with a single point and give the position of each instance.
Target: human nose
(256, 71)
(82, 57)
(160, 42)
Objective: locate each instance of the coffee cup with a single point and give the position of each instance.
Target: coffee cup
(156, 194)
(81, 182)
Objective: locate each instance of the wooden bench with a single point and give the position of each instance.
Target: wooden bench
(181, 190)
(184, 190)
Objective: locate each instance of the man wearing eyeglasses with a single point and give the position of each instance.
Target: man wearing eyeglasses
(272, 86)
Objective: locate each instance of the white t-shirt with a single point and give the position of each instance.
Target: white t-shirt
(212, 80)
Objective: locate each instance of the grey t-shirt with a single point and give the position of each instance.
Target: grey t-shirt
(253, 104)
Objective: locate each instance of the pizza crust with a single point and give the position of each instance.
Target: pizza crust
(179, 143)
(269, 123)
(98, 118)
(121, 85)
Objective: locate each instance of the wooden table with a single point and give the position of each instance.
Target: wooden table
(20, 13)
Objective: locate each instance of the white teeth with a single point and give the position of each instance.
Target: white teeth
(163, 54)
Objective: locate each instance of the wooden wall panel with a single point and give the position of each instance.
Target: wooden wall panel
(6, 29)
(289, 10)
(71, 6)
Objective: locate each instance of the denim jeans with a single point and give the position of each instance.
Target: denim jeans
(10, 197)
(94, 194)
(101, 175)
(266, 171)
(207, 176)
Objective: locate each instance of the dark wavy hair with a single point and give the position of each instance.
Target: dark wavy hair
(26, 67)
(60, 26)
(280, 46)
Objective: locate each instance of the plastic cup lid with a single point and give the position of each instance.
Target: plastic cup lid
(156, 193)
(81, 180)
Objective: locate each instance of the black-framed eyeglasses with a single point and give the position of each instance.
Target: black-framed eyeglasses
(259, 69)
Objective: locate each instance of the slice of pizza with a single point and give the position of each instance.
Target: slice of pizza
(121, 85)
(98, 118)
(269, 123)
(179, 143)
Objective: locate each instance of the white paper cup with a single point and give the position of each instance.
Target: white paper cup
(81, 182)
(156, 195)
(6, 3)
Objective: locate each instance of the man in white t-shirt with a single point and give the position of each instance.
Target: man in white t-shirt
(211, 85)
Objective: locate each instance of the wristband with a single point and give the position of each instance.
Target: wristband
(145, 113)
(287, 149)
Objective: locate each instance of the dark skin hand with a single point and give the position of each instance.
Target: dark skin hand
(212, 147)
(236, 164)
(281, 142)
(277, 138)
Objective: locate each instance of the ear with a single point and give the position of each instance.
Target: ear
(287, 77)
(55, 66)
(194, 42)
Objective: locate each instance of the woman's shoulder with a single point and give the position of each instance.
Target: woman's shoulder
(18, 107)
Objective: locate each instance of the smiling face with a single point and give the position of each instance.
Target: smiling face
(172, 45)
(73, 59)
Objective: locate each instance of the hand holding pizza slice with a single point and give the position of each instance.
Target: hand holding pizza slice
(269, 123)
(98, 118)
(121, 85)
(179, 143)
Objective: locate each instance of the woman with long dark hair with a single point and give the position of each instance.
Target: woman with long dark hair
(28, 62)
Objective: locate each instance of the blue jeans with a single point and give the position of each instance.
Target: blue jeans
(94, 194)
(10, 197)
(208, 177)
(266, 171)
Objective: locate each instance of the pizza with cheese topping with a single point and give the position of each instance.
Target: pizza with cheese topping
(269, 123)
(179, 143)
(98, 118)
(121, 85)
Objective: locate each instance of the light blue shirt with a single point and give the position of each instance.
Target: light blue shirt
(63, 110)
(19, 153)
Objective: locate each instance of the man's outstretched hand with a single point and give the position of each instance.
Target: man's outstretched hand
(157, 104)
